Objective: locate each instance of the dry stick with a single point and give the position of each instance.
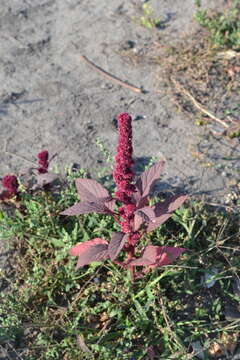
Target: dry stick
(82, 344)
(13, 349)
(111, 77)
(102, 331)
(15, 155)
(197, 104)
(235, 273)
(79, 294)
(169, 325)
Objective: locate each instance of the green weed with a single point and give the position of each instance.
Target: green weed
(223, 28)
(148, 20)
(52, 311)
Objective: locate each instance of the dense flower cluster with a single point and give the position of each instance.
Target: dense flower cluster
(10, 184)
(43, 162)
(124, 176)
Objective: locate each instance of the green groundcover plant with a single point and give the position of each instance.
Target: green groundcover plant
(50, 311)
(135, 215)
(223, 28)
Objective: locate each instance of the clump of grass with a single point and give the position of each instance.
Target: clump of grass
(191, 69)
(223, 28)
(50, 311)
(148, 20)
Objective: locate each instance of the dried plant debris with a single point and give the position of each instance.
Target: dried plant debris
(225, 346)
(204, 82)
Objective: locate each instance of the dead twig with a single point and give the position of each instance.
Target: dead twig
(102, 331)
(79, 294)
(197, 104)
(111, 77)
(170, 325)
(15, 155)
(82, 344)
(15, 352)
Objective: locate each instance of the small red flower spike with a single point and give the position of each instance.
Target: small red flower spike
(10, 183)
(43, 161)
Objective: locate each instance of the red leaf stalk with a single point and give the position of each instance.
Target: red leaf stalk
(123, 176)
(43, 162)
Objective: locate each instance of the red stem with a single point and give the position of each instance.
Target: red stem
(116, 219)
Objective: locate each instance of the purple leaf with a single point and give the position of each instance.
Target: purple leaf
(27, 171)
(141, 216)
(91, 191)
(116, 244)
(146, 181)
(157, 256)
(89, 251)
(156, 215)
(110, 205)
(86, 207)
(138, 221)
(140, 262)
(45, 179)
(162, 211)
(146, 213)
(77, 250)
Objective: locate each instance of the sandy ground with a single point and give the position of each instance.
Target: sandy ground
(50, 98)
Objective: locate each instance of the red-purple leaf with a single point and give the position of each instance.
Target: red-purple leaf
(157, 256)
(164, 255)
(146, 181)
(110, 205)
(89, 251)
(162, 211)
(156, 215)
(77, 250)
(89, 190)
(28, 171)
(146, 213)
(86, 207)
(141, 217)
(140, 262)
(138, 221)
(45, 179)
(95, 253)
(116, 244)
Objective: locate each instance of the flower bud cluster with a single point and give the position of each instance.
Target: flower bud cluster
(123, 174)
(43, 162)
(10, 184)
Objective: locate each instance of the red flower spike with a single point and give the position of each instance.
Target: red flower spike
(43, 161)
(123, 173)
(10, 183)
(43, 156)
